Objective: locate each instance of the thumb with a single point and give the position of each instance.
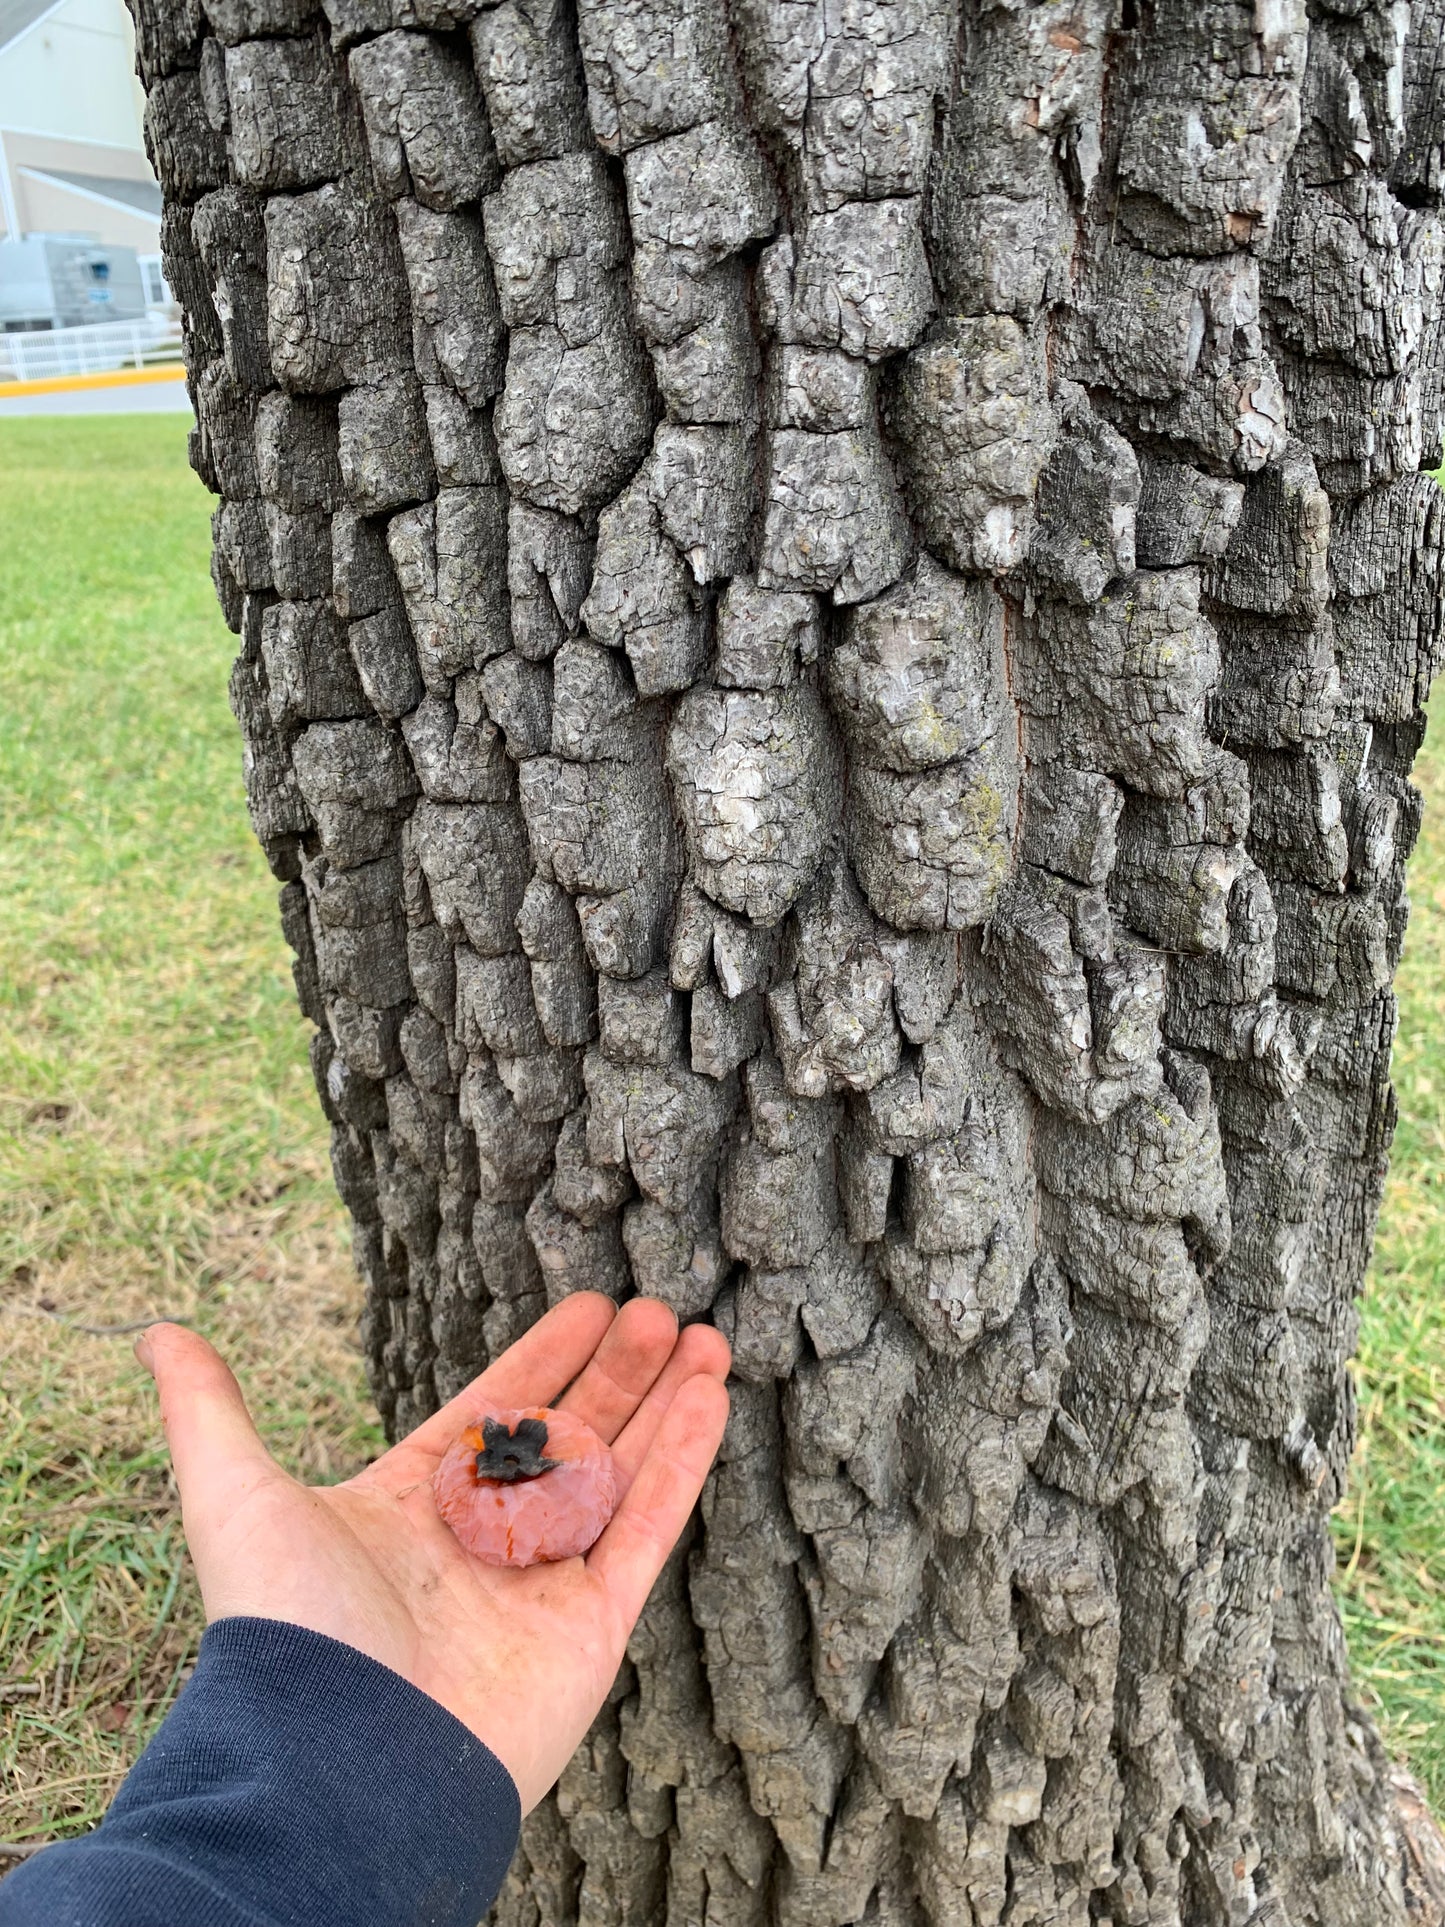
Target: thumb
(207, 1425)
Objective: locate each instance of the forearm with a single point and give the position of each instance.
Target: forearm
(295, 1780)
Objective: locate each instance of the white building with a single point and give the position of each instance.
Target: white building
(72, 154)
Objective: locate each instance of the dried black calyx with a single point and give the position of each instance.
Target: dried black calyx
(510, 1456)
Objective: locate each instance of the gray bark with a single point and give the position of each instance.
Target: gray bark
(835, 600)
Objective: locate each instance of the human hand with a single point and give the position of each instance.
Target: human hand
(523, 1658)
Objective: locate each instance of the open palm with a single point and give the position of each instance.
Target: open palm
(524, 1659)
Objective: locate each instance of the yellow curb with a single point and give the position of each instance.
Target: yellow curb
(111, 378)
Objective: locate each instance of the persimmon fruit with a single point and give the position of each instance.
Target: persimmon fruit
(525, 1487)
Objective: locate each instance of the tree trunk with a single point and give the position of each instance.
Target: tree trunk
(835, 600)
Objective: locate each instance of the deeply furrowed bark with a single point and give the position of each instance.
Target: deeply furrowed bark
(835, 599)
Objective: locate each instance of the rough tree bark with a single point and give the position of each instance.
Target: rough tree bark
(835, 598)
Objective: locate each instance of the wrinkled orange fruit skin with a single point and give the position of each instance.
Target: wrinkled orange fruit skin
(554, 1516)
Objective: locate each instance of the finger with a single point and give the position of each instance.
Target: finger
(534, 1371)
(207, 1425)
(701, 1351)
(624, 1367)
(646, 1526)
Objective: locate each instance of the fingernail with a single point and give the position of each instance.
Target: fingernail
(143, 1352)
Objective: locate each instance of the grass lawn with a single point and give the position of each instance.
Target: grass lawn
(1390, 1532)
(161, 1149)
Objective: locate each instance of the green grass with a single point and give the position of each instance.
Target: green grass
(142, 998)
(161, 1148)
(1390, 1533)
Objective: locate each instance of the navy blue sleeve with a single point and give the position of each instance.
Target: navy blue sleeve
(294, 1783)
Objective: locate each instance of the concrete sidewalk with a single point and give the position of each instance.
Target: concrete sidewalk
(126, 391)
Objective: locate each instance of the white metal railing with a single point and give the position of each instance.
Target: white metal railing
(42, 353)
